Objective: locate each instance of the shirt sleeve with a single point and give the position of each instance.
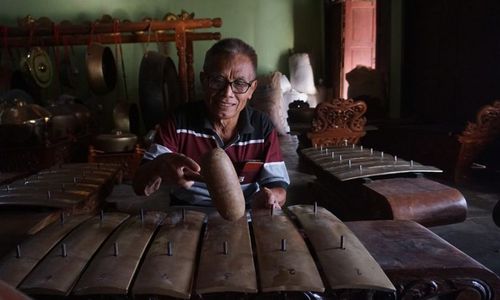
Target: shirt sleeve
(165, 141)
(274, 172)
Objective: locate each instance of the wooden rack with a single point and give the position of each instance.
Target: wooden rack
(179, 30)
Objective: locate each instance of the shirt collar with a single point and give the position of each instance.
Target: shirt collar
(244, 125)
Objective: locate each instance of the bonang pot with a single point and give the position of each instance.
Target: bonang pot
(22, 124)
(117, 141)
(63, 123)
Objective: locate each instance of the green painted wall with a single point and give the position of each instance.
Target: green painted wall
(273, 27)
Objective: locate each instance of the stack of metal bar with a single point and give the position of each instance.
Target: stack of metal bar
(76, 188)
(353, 162)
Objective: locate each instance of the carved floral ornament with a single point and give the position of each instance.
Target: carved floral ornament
(340, 113)
(487, 123)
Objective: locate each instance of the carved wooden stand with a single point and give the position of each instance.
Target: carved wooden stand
(47, 33)
(338, 121)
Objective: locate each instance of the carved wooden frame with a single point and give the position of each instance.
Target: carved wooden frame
(476, 136)
(337, 122)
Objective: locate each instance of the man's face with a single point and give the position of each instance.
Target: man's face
(225, 101)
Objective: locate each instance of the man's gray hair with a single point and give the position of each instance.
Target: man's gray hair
(230, 46)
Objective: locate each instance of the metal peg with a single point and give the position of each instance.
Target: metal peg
(18, 251)
(360, 169)
(382, 154)
(353, 146)
(315, 208)
(349, 163)
(283, 245)
(333, 154)
(142, 216)
(64, 253)
(61, 218)
(395, 158)
(361, 147)
(345, 143)
(371, 151)
(170, 251)
(411, 163)
(49, 195)
(225, 248)
(115, 247)
(342, 242)
(321, 148)
(101, 215)
(340, 158)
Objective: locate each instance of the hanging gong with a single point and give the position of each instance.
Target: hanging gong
(38, 66)
(101, 69)
(159, 91)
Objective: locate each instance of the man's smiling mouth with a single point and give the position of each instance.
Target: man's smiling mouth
(226, 104)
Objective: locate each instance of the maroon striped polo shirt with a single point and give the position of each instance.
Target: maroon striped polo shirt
(254, 151)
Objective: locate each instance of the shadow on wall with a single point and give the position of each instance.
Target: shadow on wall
(283, 63)
(368, 84)
(308, 32)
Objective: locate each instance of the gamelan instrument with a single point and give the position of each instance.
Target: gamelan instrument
(302, 252)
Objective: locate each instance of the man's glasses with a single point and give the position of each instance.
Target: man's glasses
(239, 86)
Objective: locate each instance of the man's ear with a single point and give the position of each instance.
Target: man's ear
(253, 87)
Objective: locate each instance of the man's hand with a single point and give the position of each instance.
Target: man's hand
(171, 168)
(177, 169)
(269, 198)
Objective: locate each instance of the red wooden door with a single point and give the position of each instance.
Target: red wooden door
(359, 37)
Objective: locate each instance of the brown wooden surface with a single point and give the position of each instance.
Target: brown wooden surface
(290, 270)
(415, 258)
(165, 275)
(231, 272)
(419, 199)
(110, 274)
(55, 274)
(12, 269)
(348, 267)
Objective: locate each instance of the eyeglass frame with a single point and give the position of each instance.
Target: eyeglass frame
(230, 83)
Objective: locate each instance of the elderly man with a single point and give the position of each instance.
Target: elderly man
(222, 120)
